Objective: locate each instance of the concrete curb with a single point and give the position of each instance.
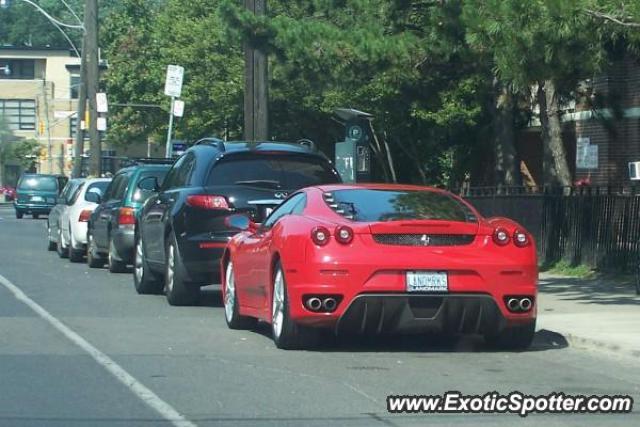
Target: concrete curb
(601, 346)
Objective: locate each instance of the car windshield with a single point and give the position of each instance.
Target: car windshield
(38, 183)
(369, 205)
(273, 172)
(96, 187)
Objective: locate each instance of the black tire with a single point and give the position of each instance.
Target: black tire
(19, 215)
(51, 245)
(231, 305)
(62, 251)
(638, 276)
(114, 265)
(36, 216)
(94, 259)
(75, 255)
(179, 292)
(145, 281)
(291, 336)
(513, 338)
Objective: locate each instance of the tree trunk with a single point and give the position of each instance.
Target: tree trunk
(506, 158)
(554, 159)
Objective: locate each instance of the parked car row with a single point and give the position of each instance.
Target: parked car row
(293, 246)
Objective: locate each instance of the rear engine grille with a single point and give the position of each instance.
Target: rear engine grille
(424, 239)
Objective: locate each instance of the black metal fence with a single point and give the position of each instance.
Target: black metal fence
(595, 226)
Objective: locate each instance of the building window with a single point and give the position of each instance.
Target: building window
(17, 69)
(20, 114)
(75, 87)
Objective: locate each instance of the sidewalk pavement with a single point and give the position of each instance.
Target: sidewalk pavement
(597, 314)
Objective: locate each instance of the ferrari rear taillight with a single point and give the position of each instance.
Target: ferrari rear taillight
(520, 239)
(501, 236)
(344, 235)
(320, 236)
(84, 216)
(206, 201)
(126, 216)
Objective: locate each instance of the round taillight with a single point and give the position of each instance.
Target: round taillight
(520, 239)
(344, 235)
(501, 236)
(320, 236)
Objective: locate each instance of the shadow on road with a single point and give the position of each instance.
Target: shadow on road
(210, 298)
(544, 340)
(592, 291)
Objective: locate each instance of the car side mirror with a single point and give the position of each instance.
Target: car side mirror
(240, 222)
(94, 197)
(149, 183)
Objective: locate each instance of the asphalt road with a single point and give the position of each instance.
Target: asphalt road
(189, 361)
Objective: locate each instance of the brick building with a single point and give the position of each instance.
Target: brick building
(602, 136)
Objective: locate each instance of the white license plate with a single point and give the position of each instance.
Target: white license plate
(37, 199)
(427, 281)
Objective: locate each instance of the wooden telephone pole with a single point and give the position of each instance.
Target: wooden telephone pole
(256, 85)
(89, 77)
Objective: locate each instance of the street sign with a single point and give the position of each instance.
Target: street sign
(586, 154)
(173, 82)
(178, 148)
(102, 124)
(101, 102)
(178, 108)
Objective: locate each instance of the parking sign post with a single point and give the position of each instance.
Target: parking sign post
(172, 88)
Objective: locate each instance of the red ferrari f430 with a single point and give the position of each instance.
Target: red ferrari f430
(379, 259)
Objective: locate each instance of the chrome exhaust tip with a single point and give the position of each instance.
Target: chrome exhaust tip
(513, 304)
(314, 304)
(329, 304)
(525, 304)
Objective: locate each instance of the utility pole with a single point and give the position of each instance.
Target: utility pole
(82, 105)
(92, 72)
(256, 93)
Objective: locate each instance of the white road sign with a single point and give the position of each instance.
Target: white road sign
(102, 124)
(101, 102)
(173, 83)
(178, 108)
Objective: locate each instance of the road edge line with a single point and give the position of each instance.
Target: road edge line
(136, 387)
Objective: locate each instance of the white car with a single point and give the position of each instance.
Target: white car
(73, 221)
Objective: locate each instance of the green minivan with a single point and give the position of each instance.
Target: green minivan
(37, 194)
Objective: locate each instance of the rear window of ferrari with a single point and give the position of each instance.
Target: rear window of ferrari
(369, 205)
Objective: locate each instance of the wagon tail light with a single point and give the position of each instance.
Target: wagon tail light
(126, 218)
(84, 216)
(205, 201)
(521, 239)
(320, 236)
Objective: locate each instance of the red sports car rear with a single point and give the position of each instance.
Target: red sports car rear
(379, 259)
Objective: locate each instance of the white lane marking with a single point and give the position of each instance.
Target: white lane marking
(136, 387)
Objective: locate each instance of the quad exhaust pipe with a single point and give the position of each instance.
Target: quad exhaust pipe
(321, 304)
(525, 304)
(519, 304)
(329, 304)
(314, 304)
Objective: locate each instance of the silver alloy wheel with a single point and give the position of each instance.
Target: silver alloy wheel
(278, 304)
(229, 292)
(138, 269)
(60, 242)
(171, 263)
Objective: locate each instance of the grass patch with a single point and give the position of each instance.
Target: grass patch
(566, 269)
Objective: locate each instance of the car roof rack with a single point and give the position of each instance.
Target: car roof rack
(213, 141)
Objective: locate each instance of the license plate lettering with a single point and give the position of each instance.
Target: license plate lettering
(427, 281)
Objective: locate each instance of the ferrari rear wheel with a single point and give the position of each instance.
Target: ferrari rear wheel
(287, 335)
(231, 305)
(513, 338)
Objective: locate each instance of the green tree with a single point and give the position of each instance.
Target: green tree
(543, 43)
